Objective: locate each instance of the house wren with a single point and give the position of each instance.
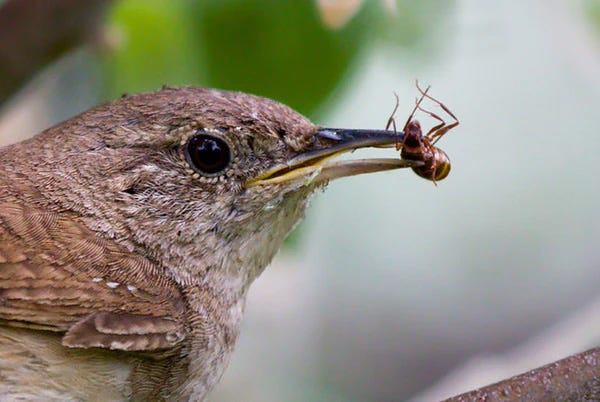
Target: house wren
(129, 236)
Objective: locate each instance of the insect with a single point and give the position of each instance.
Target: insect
(419, 147)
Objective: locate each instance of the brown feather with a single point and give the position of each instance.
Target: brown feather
(118, 331)
(57, 274)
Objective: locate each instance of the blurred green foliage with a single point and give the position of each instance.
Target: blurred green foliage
(155, 46)
(271, 48)
(593, 10)
(278, 49)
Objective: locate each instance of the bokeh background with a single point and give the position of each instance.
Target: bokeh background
(392, 288)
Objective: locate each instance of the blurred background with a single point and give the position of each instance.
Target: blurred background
(392, 288)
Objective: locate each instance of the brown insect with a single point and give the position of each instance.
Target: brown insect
(419, 147)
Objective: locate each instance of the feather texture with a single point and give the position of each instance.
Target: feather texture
(56, 274)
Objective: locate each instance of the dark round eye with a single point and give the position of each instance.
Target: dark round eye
(207, 154)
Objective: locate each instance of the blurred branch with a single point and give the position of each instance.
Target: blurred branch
(35, 32)
(576, 378)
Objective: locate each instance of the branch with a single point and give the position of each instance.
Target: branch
(576, 378)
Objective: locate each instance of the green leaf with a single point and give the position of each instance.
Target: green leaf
(278, 49)
(156, 47)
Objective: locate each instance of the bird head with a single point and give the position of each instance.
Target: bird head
(198, 179)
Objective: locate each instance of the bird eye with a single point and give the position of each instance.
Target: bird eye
(207, 154)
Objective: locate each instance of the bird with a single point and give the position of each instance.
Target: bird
(130, 234)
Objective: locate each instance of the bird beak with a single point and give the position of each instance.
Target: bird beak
(314, 164)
